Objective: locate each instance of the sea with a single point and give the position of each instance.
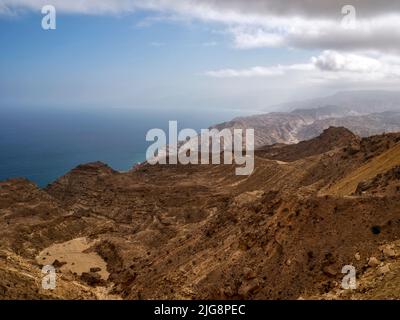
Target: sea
(44, 143)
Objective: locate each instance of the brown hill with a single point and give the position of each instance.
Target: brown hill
(174, 231)
(330, 139)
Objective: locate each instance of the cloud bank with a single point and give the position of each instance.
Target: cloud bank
(263, 23)
(367, 50)
(329, 65)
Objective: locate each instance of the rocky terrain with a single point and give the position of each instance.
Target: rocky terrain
(201, 232)
(304, 124)
(365, 113)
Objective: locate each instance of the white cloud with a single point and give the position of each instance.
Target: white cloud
(251, 72)
(256, 38)
(315, 9)
(328, 66)
(258, 71)
(380, 33)
(262, 23)
(358, 54)
(83, 6)
(335, 61)
(367, 56)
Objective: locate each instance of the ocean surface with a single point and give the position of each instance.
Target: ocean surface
(42, 144)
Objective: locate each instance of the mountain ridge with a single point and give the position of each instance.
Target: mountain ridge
(311, 118)
(201, 232)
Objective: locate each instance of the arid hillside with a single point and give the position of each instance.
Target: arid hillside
(201, 232)
(305, 124)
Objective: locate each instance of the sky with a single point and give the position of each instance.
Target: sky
(194, 54)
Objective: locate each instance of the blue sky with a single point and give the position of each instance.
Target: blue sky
(166, 58)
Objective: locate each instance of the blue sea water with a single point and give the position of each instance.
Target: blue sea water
(42, 144)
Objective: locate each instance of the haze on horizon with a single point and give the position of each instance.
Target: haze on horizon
(163, 54)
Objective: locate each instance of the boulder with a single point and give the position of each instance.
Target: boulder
(373, 262)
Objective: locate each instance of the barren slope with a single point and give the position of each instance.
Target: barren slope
(201, 232)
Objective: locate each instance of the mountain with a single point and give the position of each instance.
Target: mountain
(365, 113)
(365, 125)
(201, 232)
(361, 102)
(329, 139)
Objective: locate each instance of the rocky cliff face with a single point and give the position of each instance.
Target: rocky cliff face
(201, 232)
(304, 124)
